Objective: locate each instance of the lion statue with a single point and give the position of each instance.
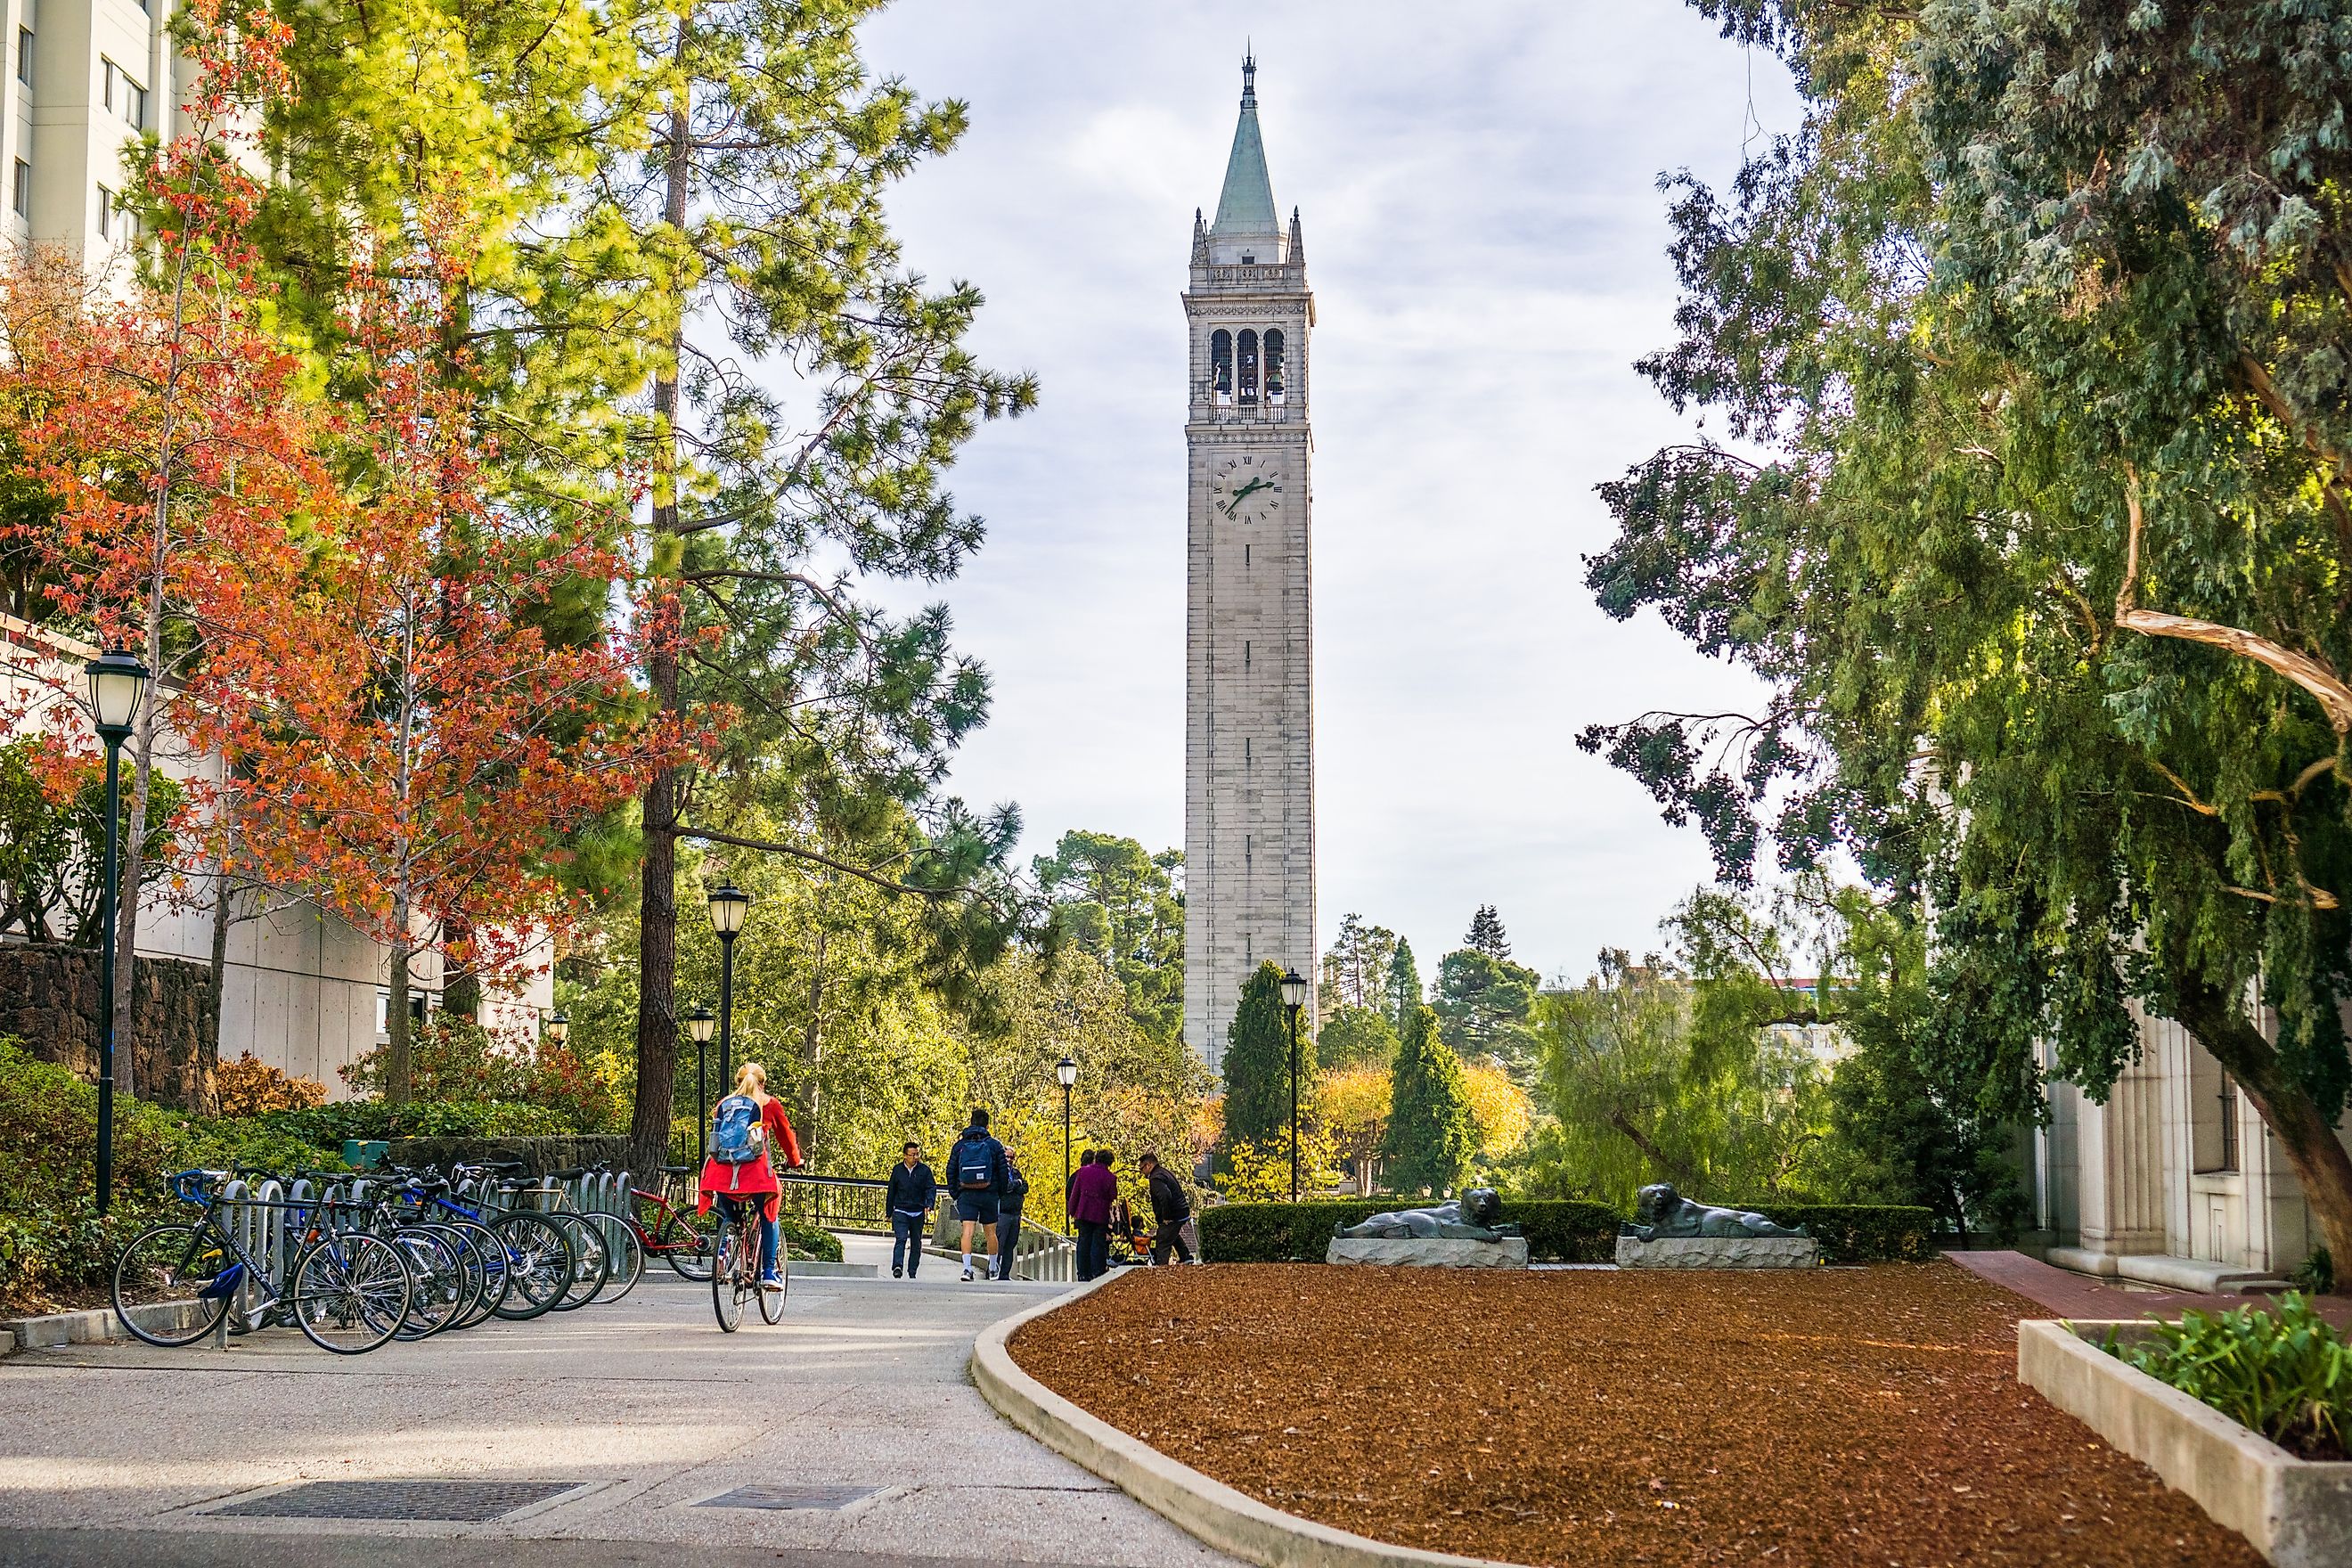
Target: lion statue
(1470, 1217)
(1662, 1214)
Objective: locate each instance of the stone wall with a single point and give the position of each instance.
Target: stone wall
(49, 998)
(539, 1156)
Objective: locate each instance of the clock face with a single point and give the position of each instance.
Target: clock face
(1246, 489)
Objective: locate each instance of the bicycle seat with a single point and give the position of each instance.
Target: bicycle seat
(571, 1176)
(679, 1170)
(498, 1164)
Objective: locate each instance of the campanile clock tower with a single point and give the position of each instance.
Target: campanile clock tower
(1249, 723)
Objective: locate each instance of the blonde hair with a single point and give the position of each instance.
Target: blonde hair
(746, 1073)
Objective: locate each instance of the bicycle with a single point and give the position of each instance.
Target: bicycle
(735, 1273)
(683, 1238)
(539, 1260)
(623, 1252)
(348, 1290)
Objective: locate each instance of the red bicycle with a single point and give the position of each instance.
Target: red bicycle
(687, 1241)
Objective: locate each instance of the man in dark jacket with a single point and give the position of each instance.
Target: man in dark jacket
(976, 1175)
(1169, 1209)
(912, 1193)
(1008, 1215)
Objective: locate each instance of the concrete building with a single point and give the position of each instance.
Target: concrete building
(84, 79)
(2174, 1181)
(1249, 727)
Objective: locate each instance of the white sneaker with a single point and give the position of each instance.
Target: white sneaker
(967, 1276)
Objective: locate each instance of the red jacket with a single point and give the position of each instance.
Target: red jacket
(1093, 1188)
(759, 1175)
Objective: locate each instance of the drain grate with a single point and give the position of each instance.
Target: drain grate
(789, 1496)
(464, 1502)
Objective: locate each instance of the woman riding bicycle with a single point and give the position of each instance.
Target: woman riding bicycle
(738, 1172)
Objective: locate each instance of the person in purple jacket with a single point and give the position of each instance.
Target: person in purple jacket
(1092, 1192)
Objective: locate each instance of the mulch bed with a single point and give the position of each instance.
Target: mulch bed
(1832, 1417)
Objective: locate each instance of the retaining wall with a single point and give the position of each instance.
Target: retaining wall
(49, 998)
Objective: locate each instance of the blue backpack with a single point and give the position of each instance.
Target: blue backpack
(736, 1136)
(975, 1164)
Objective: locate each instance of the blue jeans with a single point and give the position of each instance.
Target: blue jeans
(1094, 1250)
(727, 1203)
(907, 1241)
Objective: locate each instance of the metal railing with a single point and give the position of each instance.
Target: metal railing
(857, 1204)
(1038, 1252)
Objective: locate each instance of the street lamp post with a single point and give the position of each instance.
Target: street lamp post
(729, 905)
(1294, 995)
(698, 1024)
(117, 682)
(1066, 1071)
(558, 1027)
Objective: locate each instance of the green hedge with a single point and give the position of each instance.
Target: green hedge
(1556, 1232)
(328, 1125)
(1861, 1233)
(803, 1239)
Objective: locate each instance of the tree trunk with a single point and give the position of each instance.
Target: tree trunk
(399, 1050)
(1651, 1151)
(2322, 1166)
(217, 975)
(461, 987)
(657, 884)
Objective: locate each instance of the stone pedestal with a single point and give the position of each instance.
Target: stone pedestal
(1720, 1252)
(1429, 1252)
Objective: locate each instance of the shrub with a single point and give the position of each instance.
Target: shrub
(2315, 1275)
(250, 1087)
(1862, 1233)
(1556, 1232)
(2287, 1374)
(803, 1239)
(457, 1061)
(327, 1125)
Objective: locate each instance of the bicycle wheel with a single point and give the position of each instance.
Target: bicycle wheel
(472, 1272)
(771, 1302)
(688, 1242)
(490, 1258)
(591, 1265)
(539, 1265)
(726, 1281)
(626, 1251)
(350, 1292)
(437, 1295)
(175, 1263)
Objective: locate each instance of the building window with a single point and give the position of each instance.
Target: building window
(1249, 752)
(25, 55)
(2228, 1123)
(135, 104)
(2212, 1116)
(105, 212)
(1274, 364)
(1245, 646)
(1245, 550)
(20, 195)
(1221, 366)
(1249, 852)
(109, 73)
(1249, 368)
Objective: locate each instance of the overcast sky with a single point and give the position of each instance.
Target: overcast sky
(1486, 247)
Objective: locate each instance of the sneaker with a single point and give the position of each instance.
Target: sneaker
(897, 1273)
(967, 1276)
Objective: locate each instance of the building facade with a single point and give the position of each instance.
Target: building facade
(2173, 1182)
(84, 79)
(1249, 732)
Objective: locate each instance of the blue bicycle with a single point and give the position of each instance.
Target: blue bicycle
(347, 1290)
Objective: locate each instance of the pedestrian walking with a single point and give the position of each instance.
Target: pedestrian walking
(1169, 1209)
(976, 1175)
(1008, 1215)
(912, 1194)
(1097, 1190)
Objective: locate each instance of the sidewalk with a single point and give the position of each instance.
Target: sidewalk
(2069, 1295)
(643, 1412)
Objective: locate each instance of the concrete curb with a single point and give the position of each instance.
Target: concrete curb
(2295, 1512)
(1220, 1516)
(94, 1325)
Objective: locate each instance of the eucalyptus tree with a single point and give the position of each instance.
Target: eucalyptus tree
(2038, 528)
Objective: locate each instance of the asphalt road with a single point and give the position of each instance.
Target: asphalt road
(123, 1453)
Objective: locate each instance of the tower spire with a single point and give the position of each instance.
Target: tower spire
(1246, 206)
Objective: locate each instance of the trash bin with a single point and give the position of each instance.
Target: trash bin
(364, 1154)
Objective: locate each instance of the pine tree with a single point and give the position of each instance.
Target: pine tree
(1431, 1134)
(1487, 934)
(1257, 1063)
(1402, 994)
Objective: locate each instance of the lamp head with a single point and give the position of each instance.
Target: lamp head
(1294, 990)
(117, 683)
(1066, 1071)
(729, 905)
(558, 1025)
(700, 1024)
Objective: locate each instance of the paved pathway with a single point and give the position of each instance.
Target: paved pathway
(117, 1453)
(2070, 1295)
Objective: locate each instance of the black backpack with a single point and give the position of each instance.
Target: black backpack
(974, 1165)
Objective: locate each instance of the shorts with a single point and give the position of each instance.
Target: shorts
(977, 1208)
